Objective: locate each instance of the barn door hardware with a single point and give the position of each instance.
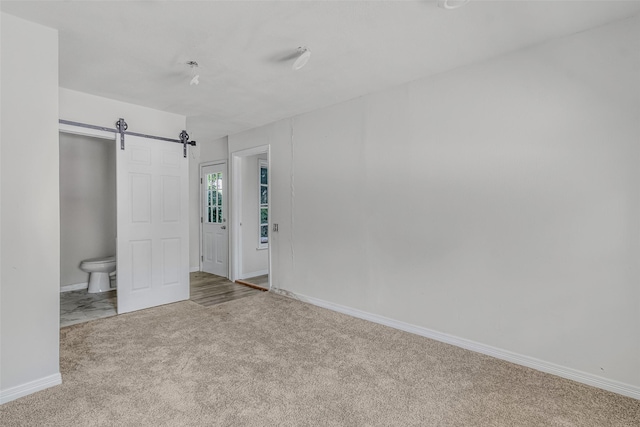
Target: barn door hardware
(122, 126)
(184, 138)
(121, 129)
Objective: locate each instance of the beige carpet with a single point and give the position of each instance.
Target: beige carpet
(268, 360)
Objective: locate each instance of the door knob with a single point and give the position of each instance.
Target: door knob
(224, 227)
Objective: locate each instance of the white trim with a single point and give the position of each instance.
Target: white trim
(235, 216)
(74, 287)
(253, 274)
(79, 130)
(194, 269)
(519, 359)
(25, 389)
(235, 191)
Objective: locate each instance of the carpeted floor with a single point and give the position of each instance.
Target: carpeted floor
(269, 360)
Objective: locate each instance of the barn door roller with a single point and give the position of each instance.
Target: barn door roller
(122, 127)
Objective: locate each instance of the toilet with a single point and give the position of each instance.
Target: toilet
(99, 270)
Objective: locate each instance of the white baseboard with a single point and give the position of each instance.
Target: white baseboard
(194, 269)
(253, 274)
(74, 287)
(519, 359)
(25, 389)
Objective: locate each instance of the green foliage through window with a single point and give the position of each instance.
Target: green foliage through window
(214, 198)
(263, 203)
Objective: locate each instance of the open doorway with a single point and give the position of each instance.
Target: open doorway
(250, 217)
(87, 226)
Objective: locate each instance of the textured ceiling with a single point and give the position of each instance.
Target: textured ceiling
(136, 51)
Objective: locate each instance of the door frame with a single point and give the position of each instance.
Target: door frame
(201, 207)
(235, 241)
(95, 133)
(92, 133)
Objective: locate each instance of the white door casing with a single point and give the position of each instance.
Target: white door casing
(235, 200)
(215, 234)
(153, 228)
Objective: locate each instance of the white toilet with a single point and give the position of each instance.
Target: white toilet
(99, 269)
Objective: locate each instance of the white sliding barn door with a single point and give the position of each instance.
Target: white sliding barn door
(153, 229)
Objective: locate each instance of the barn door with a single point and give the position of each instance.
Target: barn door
(153, 230)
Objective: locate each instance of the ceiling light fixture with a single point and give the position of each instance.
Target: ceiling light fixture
(194, 76)
(302, 60)
(451, 4)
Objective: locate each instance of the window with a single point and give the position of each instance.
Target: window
(214, 198)
(263, 203)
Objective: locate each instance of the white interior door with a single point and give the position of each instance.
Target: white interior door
(153, 228)
(215, 235)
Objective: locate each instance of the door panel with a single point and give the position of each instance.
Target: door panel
(215, 235)
(152, 249)
(209, 250)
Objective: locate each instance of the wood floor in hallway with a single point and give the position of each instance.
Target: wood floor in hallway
(209, 289)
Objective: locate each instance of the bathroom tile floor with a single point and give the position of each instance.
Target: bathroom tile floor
(81, 306)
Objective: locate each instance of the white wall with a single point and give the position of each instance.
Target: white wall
(87, 203)
(30, 244)
(96, 110)
(255, 261)
(498, 203)
(205, 151)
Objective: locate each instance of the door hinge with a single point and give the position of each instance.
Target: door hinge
(202, 257)
(200, 180)
(201, 220)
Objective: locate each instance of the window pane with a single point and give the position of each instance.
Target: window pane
(264, 199)
(263, 195)
(214, 198)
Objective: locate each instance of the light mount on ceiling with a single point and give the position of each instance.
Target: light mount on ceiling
(195, 77)
(452, 4)
(304, 55)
